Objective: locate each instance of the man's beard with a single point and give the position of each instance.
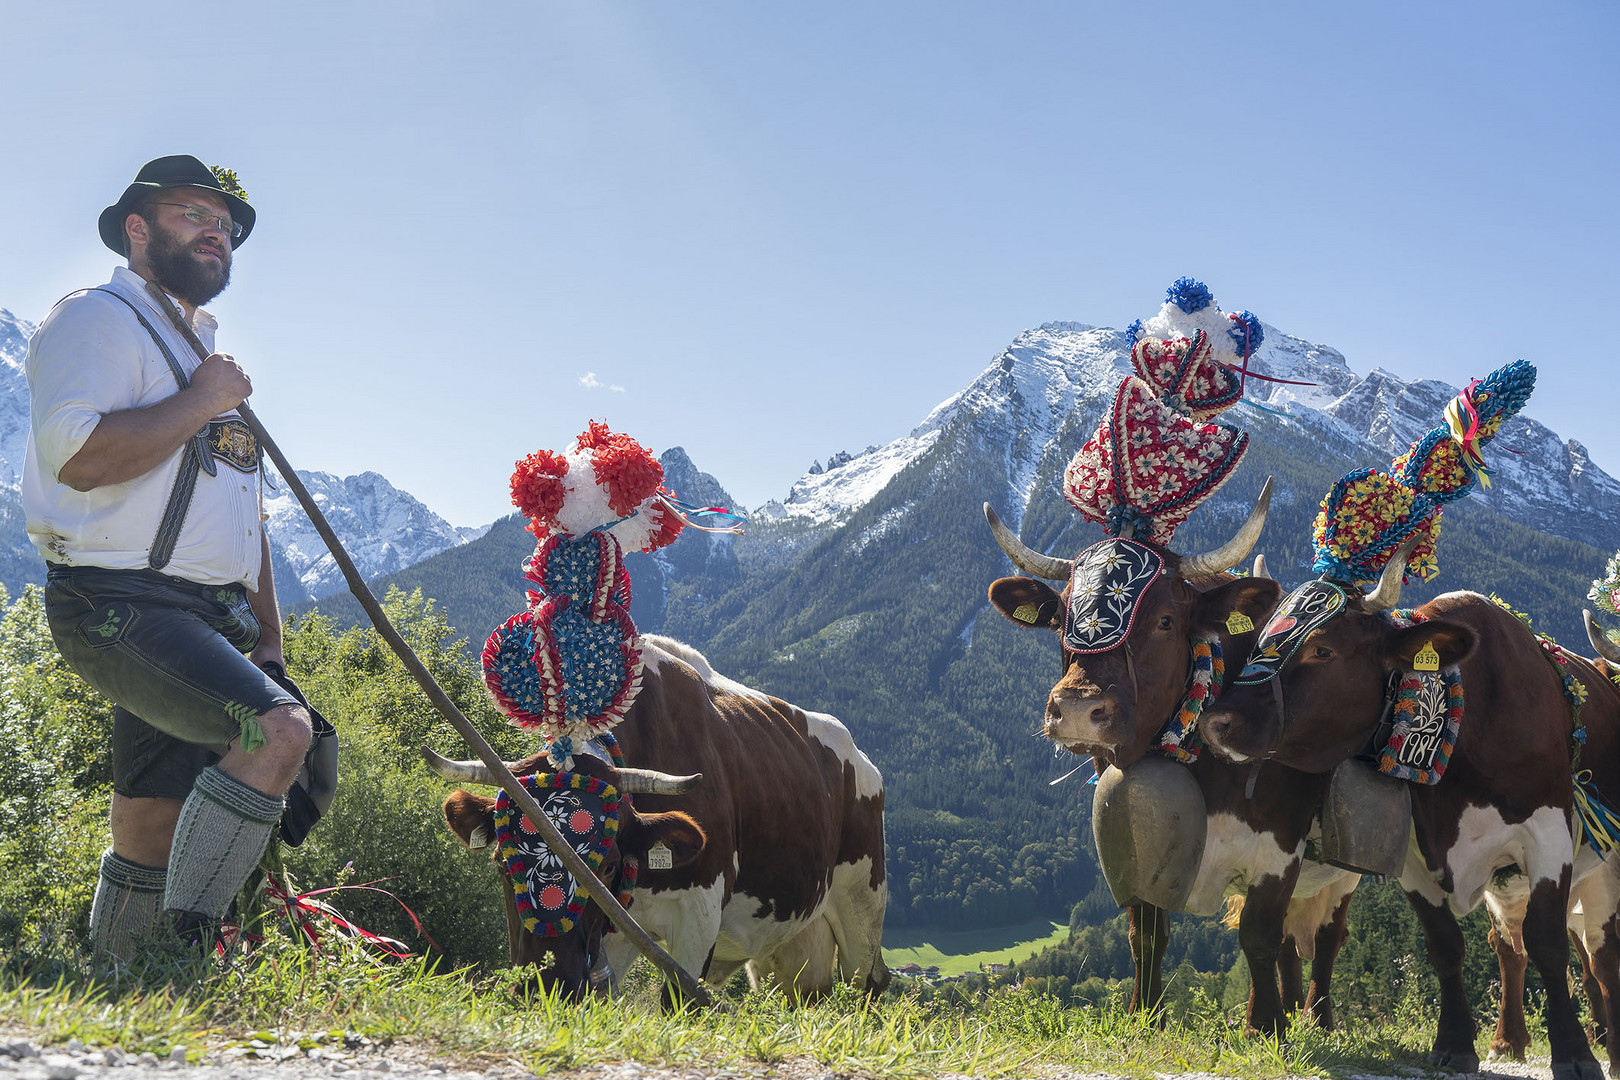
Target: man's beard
(182, 272)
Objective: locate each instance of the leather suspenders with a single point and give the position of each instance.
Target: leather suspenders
(194, 456)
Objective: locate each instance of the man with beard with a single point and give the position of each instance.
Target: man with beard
(142, 491)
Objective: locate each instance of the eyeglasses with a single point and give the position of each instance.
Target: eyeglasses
(206, 218)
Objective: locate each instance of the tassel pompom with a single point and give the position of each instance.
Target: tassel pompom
(1189, 294)
(625, 468)
(1190, 307)
(1246, 333)
(537, 486)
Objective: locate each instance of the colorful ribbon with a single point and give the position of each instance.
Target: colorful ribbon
(1463, 421)
(709, 519)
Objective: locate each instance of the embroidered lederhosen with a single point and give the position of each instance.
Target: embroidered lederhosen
(230, 440)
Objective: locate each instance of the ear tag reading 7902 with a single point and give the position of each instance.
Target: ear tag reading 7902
(660, 857)
(1426, 659)
(1027, 613)
(1238, 623)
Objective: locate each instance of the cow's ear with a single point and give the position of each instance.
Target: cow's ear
(1027, 602)
(675, 830)
(1450, 642)
(1238, 606)
(471, 817)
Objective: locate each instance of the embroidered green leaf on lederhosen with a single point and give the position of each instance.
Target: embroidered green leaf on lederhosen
(107, 625)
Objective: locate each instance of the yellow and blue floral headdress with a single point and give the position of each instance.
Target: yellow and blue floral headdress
(1370, 513)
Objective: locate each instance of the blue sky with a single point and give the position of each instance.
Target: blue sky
(768, 232)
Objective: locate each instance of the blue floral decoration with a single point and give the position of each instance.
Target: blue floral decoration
(1246, 333)
(1189, 295)
(1133, 333)
(1509, 388)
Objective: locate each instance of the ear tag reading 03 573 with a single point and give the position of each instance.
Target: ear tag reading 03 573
(1027, 613)
(660, 857)
(1238, 623)
(1426, 659)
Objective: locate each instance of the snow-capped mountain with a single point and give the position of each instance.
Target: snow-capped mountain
(14, 335)
(383, 528)
(1034, 387)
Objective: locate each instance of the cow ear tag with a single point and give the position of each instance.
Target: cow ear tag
(660, 857)
(1238, 623)
(1426, 659)
(1027, 613)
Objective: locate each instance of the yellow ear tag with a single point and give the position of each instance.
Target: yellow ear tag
(1238, 623)
(1027, 613)
(1426, 659)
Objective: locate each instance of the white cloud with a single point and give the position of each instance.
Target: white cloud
(590, 382)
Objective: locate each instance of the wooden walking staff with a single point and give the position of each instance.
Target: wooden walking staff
(587, 880)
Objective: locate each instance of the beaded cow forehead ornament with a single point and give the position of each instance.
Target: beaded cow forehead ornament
(1370, 512)
(570, 664)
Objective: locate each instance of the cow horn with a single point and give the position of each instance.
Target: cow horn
(467, 772)
(1387, 593)
(1024, 557)
(631, 781)
(1600, 641)
(1261, 570)
(651, 782)
(1234, 550)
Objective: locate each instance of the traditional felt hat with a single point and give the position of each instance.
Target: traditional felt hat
(176, 170)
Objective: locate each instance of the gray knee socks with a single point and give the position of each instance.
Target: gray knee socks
(223, 828)
(129, 898)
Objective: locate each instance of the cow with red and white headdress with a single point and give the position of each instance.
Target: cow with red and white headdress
(757, 836)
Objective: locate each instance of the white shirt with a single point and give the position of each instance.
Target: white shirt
(91, 357)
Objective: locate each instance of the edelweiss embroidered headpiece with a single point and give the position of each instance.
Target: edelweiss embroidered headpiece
(1370, 513)
(1109, 580)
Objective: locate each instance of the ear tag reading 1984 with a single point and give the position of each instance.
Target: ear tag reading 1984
(659, 857)
(1238, 623)
(1027, 613)
(1426, 659)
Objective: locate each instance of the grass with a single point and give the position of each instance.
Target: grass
(958, 952)
(285, 997)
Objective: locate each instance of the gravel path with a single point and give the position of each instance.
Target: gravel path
(25, 1058)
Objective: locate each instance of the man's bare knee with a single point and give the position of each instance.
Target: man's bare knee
(287, 727)
(272, 767)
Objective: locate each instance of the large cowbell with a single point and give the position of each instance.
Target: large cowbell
(1150, 823)
(1109, 580)
(1366, 820)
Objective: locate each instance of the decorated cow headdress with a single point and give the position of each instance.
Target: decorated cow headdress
(1157, 454)
(570, 664)
(1371, 513)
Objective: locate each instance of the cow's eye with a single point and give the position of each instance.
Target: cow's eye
(1166, 622)
(1322, 652)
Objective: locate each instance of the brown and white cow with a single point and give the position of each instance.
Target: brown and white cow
(1498, 824)
(791, 879)
(1113, 704)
